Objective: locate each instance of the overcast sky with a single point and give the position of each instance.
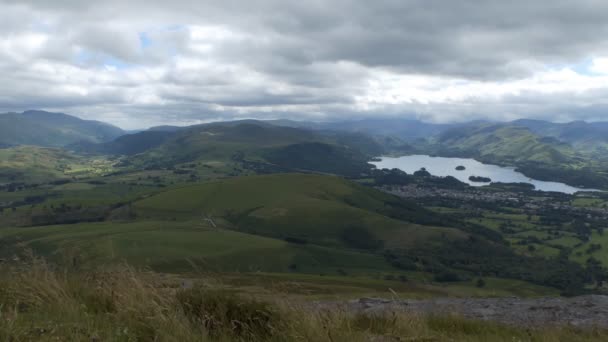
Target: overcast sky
(140, 63)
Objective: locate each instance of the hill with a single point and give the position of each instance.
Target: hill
(52, 129)
(251, 145)
(301, 222)
(323, 210)
(504, 144)
(591, 138)
(406, 129)
(279, 223)
(538, 157)
(32, 164)
(128, 144)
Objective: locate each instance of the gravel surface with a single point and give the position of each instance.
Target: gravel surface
(584, 311)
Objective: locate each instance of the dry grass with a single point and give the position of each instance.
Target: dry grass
(39, 303)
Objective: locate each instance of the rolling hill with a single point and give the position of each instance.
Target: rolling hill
(128, 144)
(280, 223)
(249, 144)
(52, 129)
(504, 144)
(539, 157)
(590, 138)
(33, 164)
(311, 208)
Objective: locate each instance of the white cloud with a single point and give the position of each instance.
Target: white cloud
(600, 65)
(142, 63)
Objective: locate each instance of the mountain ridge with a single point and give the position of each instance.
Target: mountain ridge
(48, 129)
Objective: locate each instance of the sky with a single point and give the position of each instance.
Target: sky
(141, 63)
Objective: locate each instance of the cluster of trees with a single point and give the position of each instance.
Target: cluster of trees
(421, 177)
(461, 260)
(583, 177)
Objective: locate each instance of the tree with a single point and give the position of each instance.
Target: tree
(480, 283)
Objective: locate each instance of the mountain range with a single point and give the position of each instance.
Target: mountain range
(575, 153)
(48, 129)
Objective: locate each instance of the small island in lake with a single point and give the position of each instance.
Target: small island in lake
(478, 179)
(460, 168)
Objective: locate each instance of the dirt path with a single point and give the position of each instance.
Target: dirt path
(584, 311)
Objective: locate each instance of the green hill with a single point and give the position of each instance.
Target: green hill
(129, 144)
(279, 223)
(180, 247)
(504, 145)
(282, 222)
(255, 146)
(52, 129)
(542, 158)
(31, 164)
(315, 209)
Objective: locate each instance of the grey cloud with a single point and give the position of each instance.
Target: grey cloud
(304, 59)
(470, 39)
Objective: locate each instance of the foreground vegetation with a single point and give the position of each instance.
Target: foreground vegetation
(38, 302)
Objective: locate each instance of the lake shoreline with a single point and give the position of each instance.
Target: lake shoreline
(446, 166)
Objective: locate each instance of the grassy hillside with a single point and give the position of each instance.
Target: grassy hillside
(312, 223)
(542, 158)
(583, 136)
(251, 145)
(52, 129)
(181, 247)
(42, 304)
(129, 144)
(315, 209)
(505, 144)
(30, 164)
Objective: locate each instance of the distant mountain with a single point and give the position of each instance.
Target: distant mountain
(540, 157)
(128, 144)
(404, 129)
(256, 145)
(583, 136)
(52, 129)
(503, 144)
(570, 132)
(165, 128)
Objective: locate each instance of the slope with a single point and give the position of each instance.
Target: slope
(504, 144)
(52, 129)
(255, 146)
(323, 210)
(32, 164)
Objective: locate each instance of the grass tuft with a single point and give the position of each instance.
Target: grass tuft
(40, 303)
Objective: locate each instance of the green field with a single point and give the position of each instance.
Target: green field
(181, 247)
(260, 265)
(319, 209)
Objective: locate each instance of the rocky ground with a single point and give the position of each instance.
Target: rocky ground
(584, 311)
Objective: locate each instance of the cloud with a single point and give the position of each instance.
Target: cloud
(141, 63)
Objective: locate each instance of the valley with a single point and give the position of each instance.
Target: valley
(305, 209)
(325, 171)
(251, 196)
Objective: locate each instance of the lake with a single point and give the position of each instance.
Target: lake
(439, 166)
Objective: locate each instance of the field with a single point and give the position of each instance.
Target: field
(532, 235)
(35, 165)
(243, 260)
(285, 226)
(180, 247)
(255, 203)
(312, 208)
